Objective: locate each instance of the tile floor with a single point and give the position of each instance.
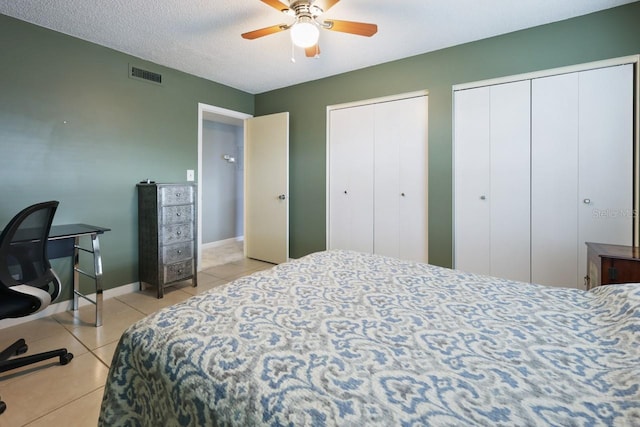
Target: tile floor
(48, 394)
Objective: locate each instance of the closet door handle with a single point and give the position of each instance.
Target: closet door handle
(345, 191)
(402, 194)
(483, 197)
(587, 201)
(282, 197)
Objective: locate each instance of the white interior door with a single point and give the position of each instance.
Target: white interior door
(472, 171)
(414, 182)
(491, 180)
(554, 180)
(605, 188)
(401, 225)
(581, 173)
(350, 179)
(389, 132)
(510, 181)
(267, 188)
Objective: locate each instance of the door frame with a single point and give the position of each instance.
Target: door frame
(218, 114)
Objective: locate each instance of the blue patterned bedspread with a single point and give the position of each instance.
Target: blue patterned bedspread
(350, 339)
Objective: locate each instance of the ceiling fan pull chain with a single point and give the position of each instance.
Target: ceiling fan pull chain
(293, 52)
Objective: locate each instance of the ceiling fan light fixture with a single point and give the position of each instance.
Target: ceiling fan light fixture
(305, 33)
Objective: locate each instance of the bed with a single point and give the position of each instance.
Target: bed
(351, 339)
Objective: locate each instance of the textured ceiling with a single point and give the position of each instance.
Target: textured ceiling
(203, 37)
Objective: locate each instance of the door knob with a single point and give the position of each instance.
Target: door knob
(282, 197)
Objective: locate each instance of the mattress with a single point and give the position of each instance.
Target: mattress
(341, 338)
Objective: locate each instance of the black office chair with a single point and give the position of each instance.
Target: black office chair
(28, 284)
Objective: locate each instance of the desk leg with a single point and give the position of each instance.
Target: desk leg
(96, 276)
(76, 274)
(97, 262)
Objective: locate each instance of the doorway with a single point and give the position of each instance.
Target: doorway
(221, 135)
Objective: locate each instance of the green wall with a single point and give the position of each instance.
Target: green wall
(118, 132)
(608, 34)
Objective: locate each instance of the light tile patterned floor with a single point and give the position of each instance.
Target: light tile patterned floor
(47, 394)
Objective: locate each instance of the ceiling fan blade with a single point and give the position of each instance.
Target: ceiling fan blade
(325, 4)
(351, 27)
(278, 5)
(312, 51)
(263, 32)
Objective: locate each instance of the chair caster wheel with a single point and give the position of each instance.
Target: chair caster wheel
(66, 358)
(3, 406)
(22, 349)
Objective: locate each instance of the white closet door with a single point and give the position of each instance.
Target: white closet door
(350, 221)
(510, 199)
(472, 171)
(492, 180)
(554, 180)
(414, 172)
(400, 212)
(606, 158)
(582, 156)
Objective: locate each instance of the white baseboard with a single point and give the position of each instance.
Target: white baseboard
(222, 242)
(61, 307)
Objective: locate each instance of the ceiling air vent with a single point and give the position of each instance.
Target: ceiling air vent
(147, 76)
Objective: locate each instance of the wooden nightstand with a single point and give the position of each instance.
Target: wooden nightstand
(611, 264)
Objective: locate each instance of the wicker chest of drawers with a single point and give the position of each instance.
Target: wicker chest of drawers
(167, 243)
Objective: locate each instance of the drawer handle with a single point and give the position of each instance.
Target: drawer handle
(178, 233)
(179, 214)
(178, 194)
(179, 251)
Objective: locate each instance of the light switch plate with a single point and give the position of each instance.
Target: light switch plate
(190, 175)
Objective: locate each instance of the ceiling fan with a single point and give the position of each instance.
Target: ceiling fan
(305, 30)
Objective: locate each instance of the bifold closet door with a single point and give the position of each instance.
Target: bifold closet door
(582, 157)
(492, 180)
(472, 180)
(554, 180)
(400, 176)
(350, 183)
(605, 187)
(511, 181)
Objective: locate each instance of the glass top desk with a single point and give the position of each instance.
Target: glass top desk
(64, 241)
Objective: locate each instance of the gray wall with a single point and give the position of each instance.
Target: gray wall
(118, 131)
(222, 182)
